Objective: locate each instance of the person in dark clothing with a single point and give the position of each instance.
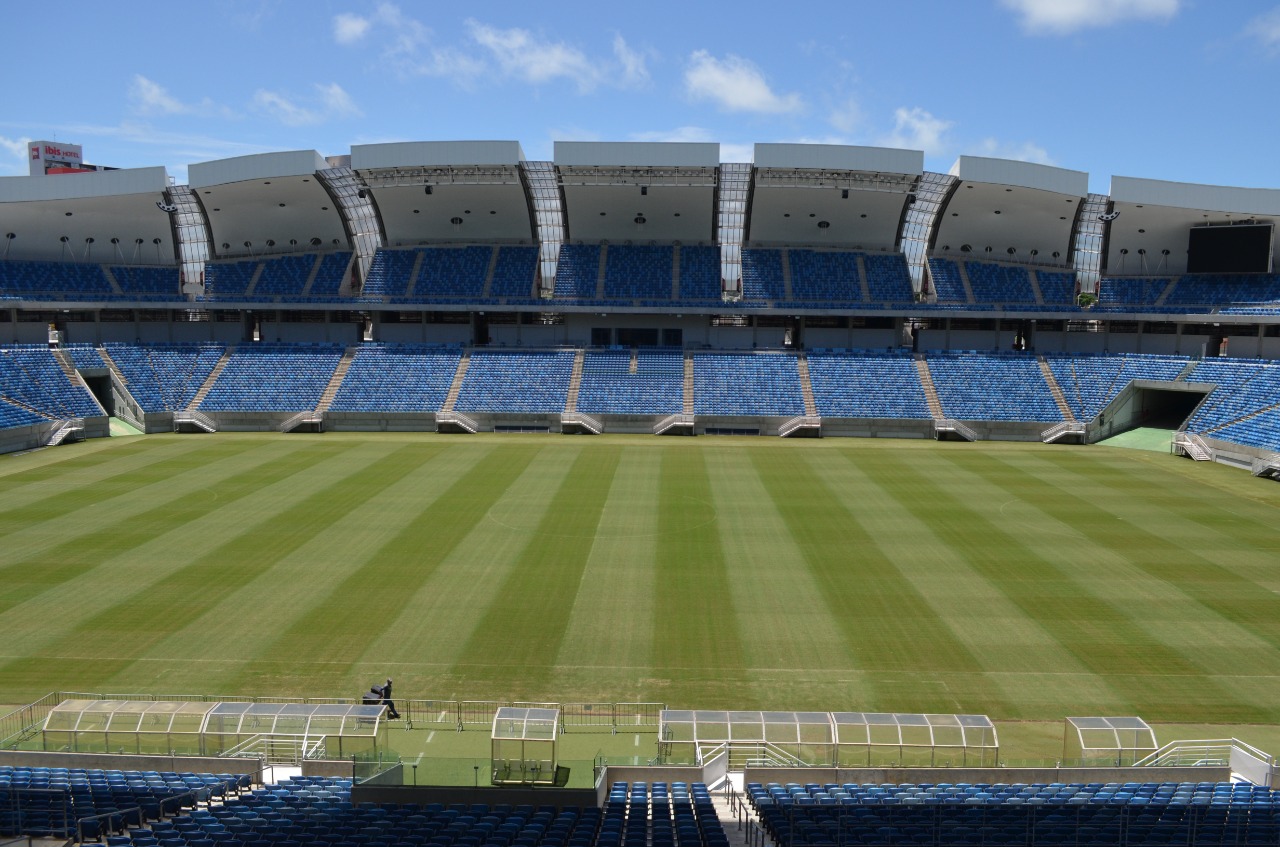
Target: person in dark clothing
(388, 702)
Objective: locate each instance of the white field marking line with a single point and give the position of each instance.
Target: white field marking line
(430, 735)
(440, 717)
(637, 739)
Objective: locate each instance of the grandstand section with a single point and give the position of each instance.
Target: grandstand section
(397, 378)
(273, 378)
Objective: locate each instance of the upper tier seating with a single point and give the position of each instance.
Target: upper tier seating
(228, 280)
(499, 381)
(1131, 291)
(147, 283)
(867, 385)
(85, 356)
(333, 270)
(700, 273)
(827, 276)
(397, 378)
(389, 274)
(1057, 287)
(988, 387)
(764, 384)
(578, 271)
(53, 281)
(1220, 289)
(635, 272)
(165, 377)
(947, 284)
(888, 278)
(284, 276)
(992, 283)
(1090, 383)
(273, 378)
(762, 275)
(515, 273)
(610, 387)
(452, 273)
(1054, 815)
(32, 377)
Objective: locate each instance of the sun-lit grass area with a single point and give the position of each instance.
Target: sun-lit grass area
(1026, 582)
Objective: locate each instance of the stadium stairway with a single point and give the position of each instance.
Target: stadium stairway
(688, 384)
(1035, 286)
(786, 275)
(806, 386)
(575, 383)
(456, 386)
(112, 281)
(1056, 390)
(311, 277)
(862, 278)
(964, 280)
(930, 390)
(194, 405)
(63, 358)
(335, 381)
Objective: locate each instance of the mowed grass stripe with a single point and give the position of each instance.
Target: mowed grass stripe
(886, 623)
(31, 489)
(246, 623)
(426, 640)
(54, 562)
(783, 619)
(335, 632)
(203, 584)
(79, 656)
(1012, 647)
(1224, 622)
(521, 631)
(1102, 636)
(610, 631)
(697, 643)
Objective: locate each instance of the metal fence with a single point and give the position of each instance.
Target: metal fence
(426, 713)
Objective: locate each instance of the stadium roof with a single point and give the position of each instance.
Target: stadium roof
(638, 191)
(1010, 211)
(441, 191)
(268, 203)
(831, 195)
(75, 217)
(1155, 216)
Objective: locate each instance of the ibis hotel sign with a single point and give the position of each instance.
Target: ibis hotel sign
(53, 156)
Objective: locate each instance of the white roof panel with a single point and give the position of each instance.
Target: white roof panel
(637, 154)
(1021, 175)
(839, 157)
(412, 154)
(257, 166)
(1186, 195)
(77, 186)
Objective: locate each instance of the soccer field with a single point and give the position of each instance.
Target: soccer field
(1019, 581)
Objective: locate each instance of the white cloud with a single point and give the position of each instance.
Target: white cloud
(635, 70)
(847, 116)
(736, 84)
(150, 98)
(16, 149)
(917, 129)
(349, 28)
(522, 55)
(1060, 17)
(1266, 29)
(1026, 151)
(330, 102)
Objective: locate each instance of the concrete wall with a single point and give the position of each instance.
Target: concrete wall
(180, 764)
(329, 767)
(985, 775)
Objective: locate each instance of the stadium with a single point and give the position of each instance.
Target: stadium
(906, 507)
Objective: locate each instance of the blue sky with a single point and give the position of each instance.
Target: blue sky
(1167, 89)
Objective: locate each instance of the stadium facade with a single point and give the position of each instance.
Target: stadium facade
(641, 287)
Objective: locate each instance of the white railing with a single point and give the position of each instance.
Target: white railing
(457, 419)
(672, 421)
(1058, 430)
(802, 422)
(585, 421)
(65, 430)
(199, 419)
(1193, 446)
(279, 749)
(1267, 466)
(1244, 759)
(308, 417)
(949, 425)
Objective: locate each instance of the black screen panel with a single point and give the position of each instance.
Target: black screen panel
(1244, 249)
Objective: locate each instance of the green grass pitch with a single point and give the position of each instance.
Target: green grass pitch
(1021, 581)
